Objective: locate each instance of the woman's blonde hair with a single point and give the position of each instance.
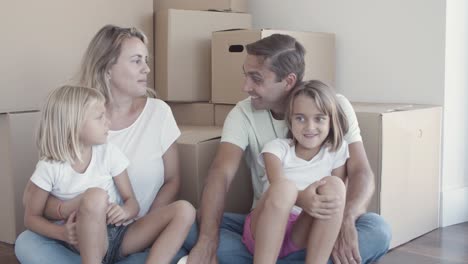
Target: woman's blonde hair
(102, 53)
(326, 102)
(62, 117)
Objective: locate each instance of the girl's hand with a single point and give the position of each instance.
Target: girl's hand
(317, 205)
(116, 214)
(70, 230)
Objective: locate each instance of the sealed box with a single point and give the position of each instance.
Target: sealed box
(193, 114)
(218, 5)
(403, 145)
(183, 51)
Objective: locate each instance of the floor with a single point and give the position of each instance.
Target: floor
(447, 245)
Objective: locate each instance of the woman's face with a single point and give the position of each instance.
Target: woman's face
(128, 76)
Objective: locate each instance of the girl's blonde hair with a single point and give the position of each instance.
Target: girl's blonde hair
(102, 53)
(62, 117)
(326, 102)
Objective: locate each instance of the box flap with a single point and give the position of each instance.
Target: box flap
(198, 134)
(385, 108)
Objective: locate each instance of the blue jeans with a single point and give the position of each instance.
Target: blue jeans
(31, 248)
(374, 239)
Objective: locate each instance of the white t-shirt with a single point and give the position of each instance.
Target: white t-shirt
(251, 129)
(62, 181)
(303, 172)
(144, 143)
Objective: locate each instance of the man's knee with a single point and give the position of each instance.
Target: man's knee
(380, 230)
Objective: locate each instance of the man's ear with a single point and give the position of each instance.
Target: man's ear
(291, 80)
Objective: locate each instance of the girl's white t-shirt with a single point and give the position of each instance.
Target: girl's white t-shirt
(62, 181)
(303, 172)
(144, 143)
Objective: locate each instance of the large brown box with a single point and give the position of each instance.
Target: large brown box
(220, 113)
(183, 51)
(403, 145)
(197, 147)
(228, 54)
(218, 5)
(193, 114)
(18, 158)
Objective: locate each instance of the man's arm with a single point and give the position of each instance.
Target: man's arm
(359, 192)
(361, 184)
(220, 176)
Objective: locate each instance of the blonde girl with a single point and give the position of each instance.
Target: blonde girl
(77, 164)
(311, 161)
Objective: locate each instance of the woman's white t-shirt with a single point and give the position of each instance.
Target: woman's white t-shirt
(144, 143)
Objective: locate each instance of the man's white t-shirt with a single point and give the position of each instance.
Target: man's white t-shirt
(62, 181)
(144, 143)
(303, 172)
(251, 129)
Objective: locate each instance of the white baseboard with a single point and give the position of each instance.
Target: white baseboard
(454, 206)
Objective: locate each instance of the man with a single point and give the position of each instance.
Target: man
(272, 68)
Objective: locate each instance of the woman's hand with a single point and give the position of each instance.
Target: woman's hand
(116, 215)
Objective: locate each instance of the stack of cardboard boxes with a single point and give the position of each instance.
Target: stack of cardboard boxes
(200, 50)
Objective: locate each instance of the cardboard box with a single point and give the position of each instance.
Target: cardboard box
(183, 51)
(18, 159)
(197, 148)
(193, 114)
(228, 54)
(220, 113)
(403, 145)
(218, 5)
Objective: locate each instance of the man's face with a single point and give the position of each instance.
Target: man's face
(262, 85)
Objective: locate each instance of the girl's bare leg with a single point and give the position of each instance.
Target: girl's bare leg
(269, 220)
(164, 229)
(91, 226)
(319, 235)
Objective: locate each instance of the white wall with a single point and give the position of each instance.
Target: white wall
(387, 51)
(455, 147)
(394, 51)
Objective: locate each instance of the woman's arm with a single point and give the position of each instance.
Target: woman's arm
(170, 189)
(118, 214)
(34, 200)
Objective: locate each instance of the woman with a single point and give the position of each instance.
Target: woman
(144, 129)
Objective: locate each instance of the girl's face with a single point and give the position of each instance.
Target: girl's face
(95, 127)
(309, 126)
(128, 76)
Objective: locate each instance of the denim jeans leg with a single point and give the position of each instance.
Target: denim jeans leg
(32, 248)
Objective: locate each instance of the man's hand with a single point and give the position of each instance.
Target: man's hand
(346, 249)
(70, 230)
(317, 205)
(204, 252)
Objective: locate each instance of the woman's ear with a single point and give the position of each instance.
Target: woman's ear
(291, 80)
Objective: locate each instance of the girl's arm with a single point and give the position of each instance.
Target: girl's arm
(34, 202)
(170, 189)
(130, 207)
(273, 167)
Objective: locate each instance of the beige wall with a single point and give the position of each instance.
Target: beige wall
(42, 42)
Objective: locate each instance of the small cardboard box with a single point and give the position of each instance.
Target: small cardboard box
(218, 5)
(197, 148)
(228, 55)
(220, 113)
(183, 51)
(403, 145)
(193, 114)
(18, 159)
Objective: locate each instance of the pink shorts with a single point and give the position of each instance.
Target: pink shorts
(287, 247)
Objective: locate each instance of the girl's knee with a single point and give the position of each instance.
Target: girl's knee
(281, 194)
(94, 200)
(333, 185)
(185, 210)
